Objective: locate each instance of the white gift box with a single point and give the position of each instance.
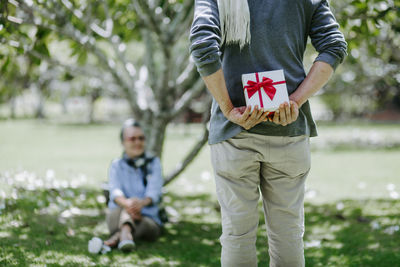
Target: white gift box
(266, 89)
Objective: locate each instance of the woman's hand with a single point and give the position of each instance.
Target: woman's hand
(133, 207)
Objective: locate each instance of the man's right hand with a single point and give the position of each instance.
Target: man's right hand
(240, 115)
(245, 118)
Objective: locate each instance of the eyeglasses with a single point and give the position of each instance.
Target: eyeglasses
(141, 138)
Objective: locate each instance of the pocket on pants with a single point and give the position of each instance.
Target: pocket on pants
(231, 159)
(297, 156)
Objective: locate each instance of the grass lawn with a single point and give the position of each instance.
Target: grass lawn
(51, 203)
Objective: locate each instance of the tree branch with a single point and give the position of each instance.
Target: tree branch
(186, 98)
(143, 11)
(182, 21)
(149, 61)
(132, 95)
(196, 148)
(88, 42)
(186, 78)
(72, 69)
(189, 157)
(151, 22)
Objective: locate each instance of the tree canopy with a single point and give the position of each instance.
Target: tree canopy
(370, 77)
(137, 47)
(138, 50)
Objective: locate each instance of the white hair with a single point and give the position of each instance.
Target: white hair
(234, 17)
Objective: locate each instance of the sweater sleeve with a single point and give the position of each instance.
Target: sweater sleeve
(326, 37)
(205, 37)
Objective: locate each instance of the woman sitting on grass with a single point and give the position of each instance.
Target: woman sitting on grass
(135, 183)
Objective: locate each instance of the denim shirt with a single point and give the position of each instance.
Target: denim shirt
(127, 181)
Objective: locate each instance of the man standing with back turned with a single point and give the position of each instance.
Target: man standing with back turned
(250, 152)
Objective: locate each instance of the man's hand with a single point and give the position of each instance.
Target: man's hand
(286, 115)
(239, 115)
(243, 117)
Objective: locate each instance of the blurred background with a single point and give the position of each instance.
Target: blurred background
(71, 71)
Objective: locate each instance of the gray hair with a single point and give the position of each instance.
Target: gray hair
(128, 123)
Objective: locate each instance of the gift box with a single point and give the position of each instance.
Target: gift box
(266, 89)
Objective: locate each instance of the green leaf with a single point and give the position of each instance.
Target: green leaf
(41, 48)
(5, 65)
(82, 57)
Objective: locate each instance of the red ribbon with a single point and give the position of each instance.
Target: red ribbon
(267, 84)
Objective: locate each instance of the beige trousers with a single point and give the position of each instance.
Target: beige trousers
(146, 228)
(276, 166)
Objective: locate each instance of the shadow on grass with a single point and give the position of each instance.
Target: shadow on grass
(53, 227)
(353, 233)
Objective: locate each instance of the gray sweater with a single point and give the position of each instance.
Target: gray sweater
(279, 31)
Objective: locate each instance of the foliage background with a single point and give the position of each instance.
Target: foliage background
(72, 70)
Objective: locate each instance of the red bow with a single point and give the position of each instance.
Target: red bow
(267, 84)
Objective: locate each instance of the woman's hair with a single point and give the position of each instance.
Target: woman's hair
(128, 123)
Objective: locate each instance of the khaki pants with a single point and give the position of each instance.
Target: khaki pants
(146, 228)
(277, 166)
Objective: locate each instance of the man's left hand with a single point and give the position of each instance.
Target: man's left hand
(286, 114)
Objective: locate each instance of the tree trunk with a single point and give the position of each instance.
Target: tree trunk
(39, 113)
(13, 104)
(90, 118)
(157, 133)
(174, 81)
(92, 101)
(64, 99)
(93, 96)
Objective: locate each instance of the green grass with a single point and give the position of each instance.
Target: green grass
(359, 234)
(82, 153)
(351, 219)
(37, 233)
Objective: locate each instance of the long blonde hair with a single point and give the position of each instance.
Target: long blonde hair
(234, 17)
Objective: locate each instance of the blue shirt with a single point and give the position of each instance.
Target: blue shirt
(127, 181)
